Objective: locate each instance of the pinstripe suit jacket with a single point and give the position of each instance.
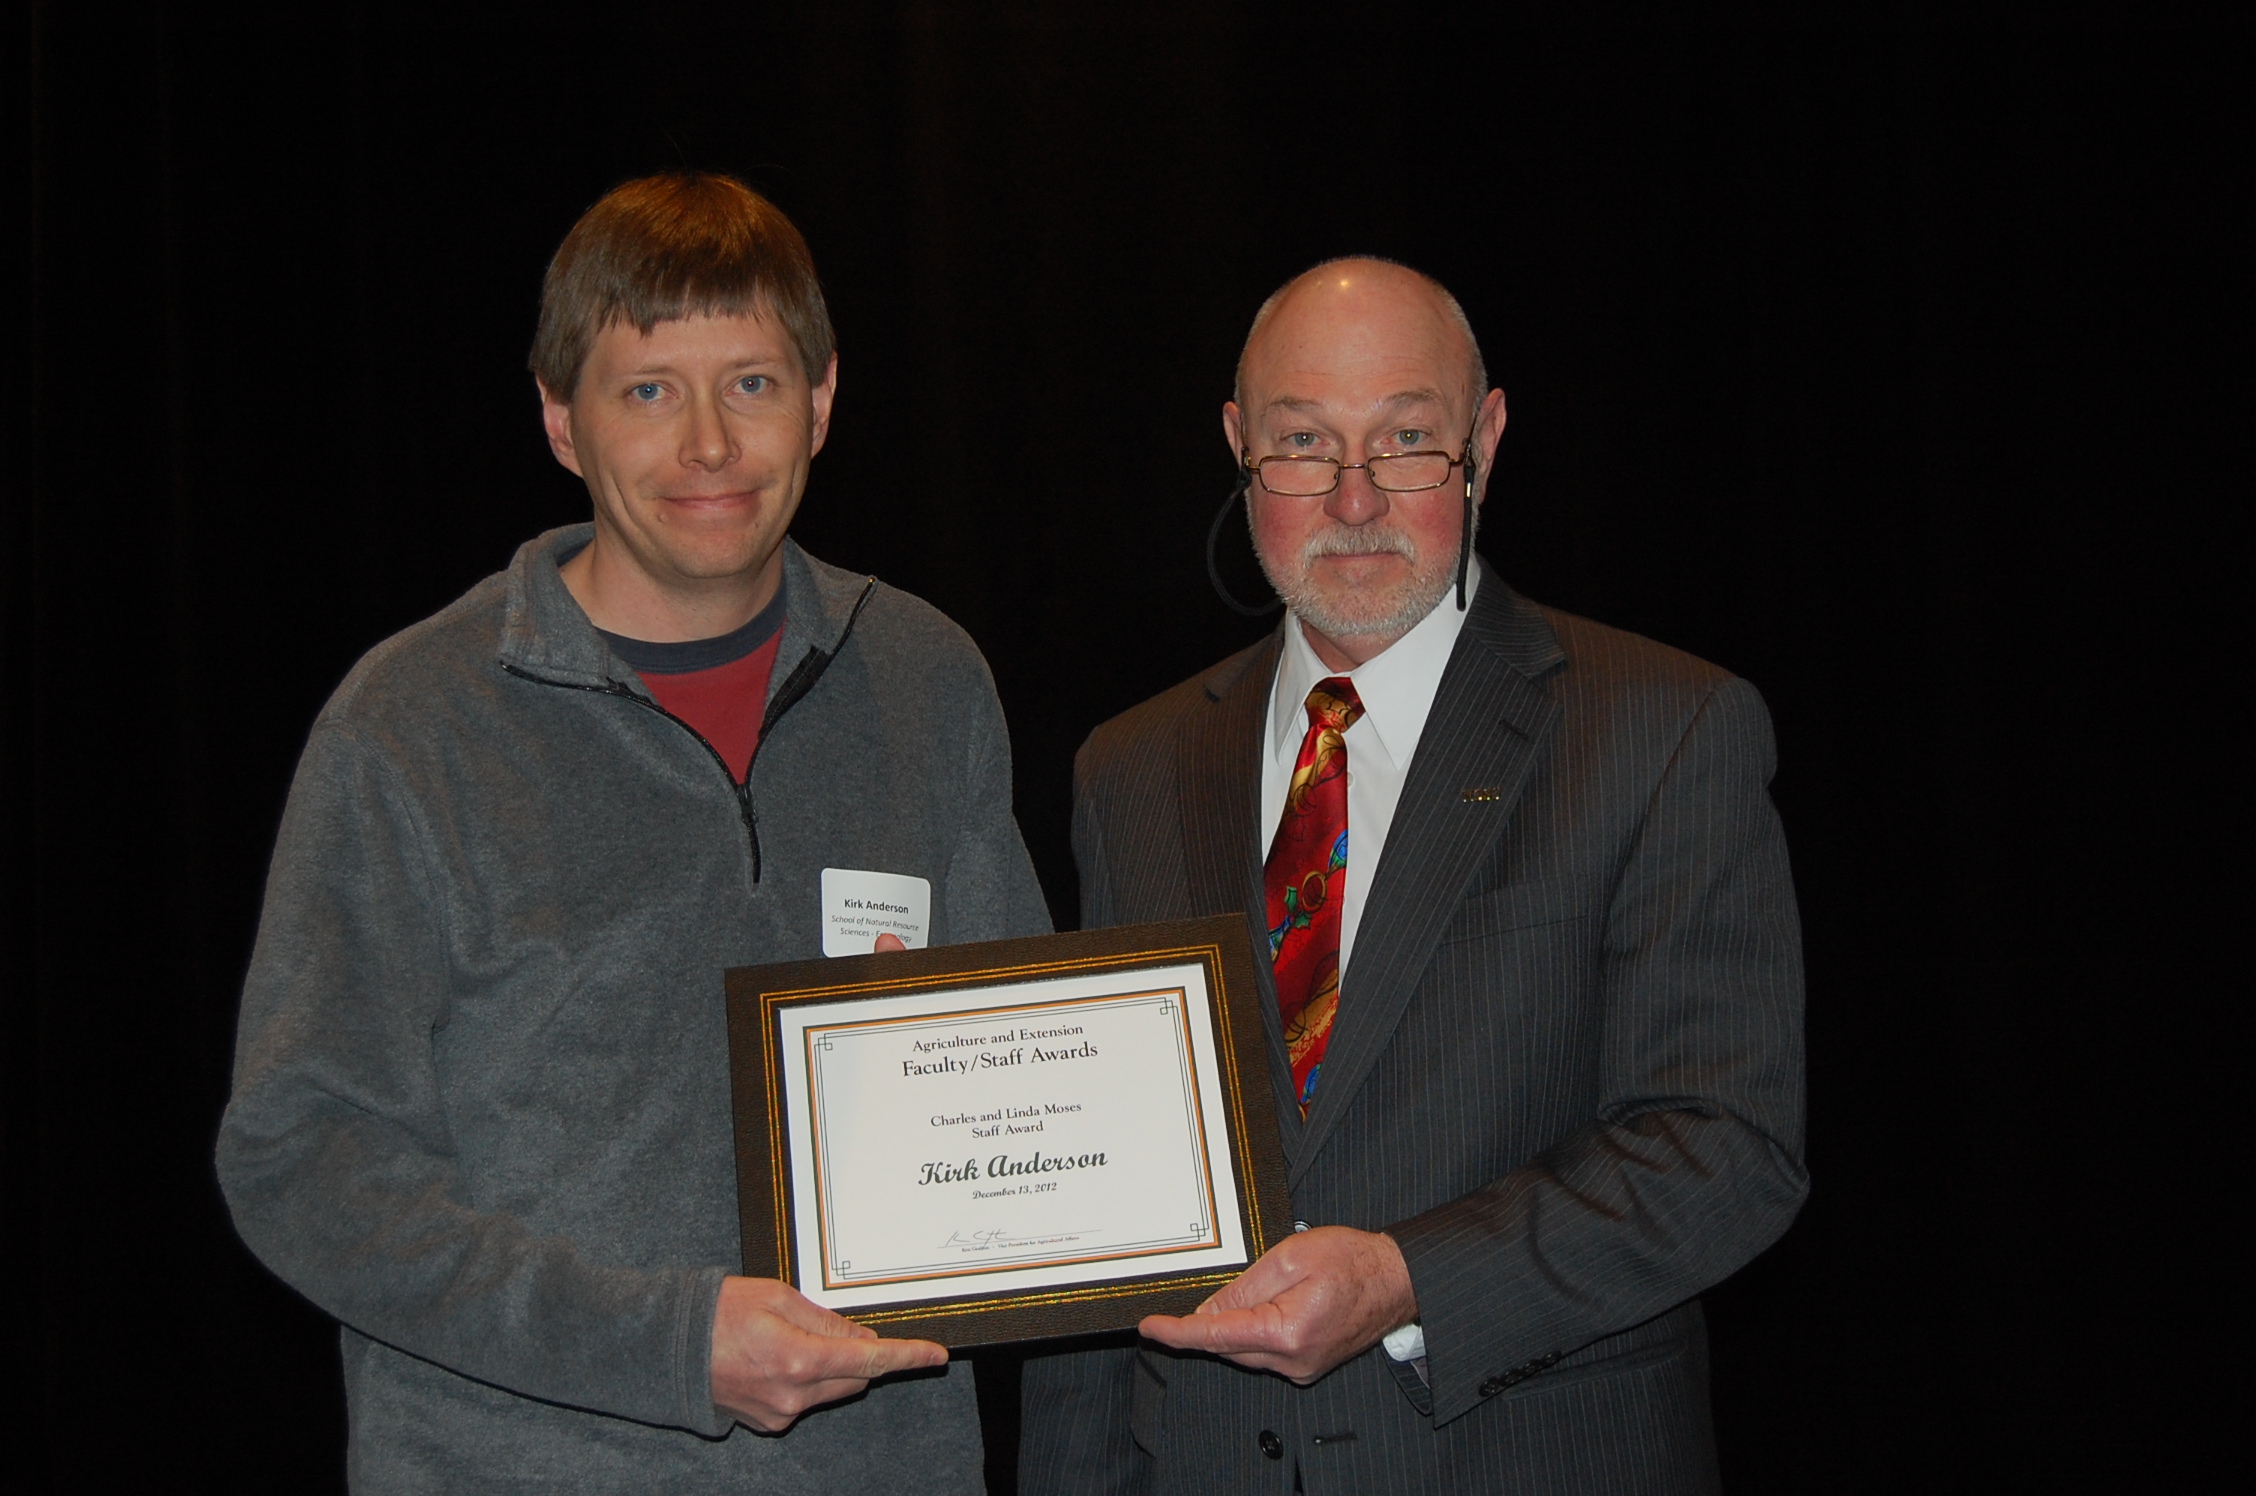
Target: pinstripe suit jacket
(1566, 1074)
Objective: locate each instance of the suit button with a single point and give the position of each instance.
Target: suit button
(1271, 1445)
(1493, 1386)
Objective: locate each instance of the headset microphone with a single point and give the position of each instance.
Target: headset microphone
(1214, 535)
(1465, 536)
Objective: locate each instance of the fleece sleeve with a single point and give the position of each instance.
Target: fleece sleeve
(336, 1156)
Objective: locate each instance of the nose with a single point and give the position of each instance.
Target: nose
(706, 440)
(1356, 501)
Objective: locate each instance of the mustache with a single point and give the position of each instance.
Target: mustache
(1360, 540)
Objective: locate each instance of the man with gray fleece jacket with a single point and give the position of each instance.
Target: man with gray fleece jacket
(481, 1106)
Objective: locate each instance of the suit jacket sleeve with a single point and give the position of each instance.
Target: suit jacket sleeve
(1691, 1162)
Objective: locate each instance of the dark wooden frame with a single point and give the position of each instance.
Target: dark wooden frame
(756, 994)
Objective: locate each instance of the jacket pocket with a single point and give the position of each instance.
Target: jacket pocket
(1520, 906)
(1653, 1343)
(1561, 1377)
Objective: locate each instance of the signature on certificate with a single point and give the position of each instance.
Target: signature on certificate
(993, 1238)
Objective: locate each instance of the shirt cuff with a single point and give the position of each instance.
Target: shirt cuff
(1407, 1343)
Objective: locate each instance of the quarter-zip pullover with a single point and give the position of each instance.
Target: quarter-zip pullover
(481, 1107)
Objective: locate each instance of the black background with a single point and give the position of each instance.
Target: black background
(1884, 366)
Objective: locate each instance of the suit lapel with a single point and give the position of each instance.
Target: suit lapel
(1218, 783)
(1489, 722)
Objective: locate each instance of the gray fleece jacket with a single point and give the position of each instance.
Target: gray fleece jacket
(481, 1104)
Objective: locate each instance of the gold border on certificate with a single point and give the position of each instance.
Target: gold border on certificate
(1254, 1205)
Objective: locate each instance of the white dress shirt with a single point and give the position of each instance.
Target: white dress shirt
(1397, 687)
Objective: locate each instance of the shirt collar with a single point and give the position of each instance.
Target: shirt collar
(1397, 685)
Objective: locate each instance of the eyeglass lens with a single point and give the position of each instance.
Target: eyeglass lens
(1395, 472)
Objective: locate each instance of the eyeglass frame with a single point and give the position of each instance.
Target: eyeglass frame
(1464, 459)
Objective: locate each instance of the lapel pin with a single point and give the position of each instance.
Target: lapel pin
(1484, 793)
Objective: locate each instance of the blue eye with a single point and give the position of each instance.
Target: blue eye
(646, 392)
(1410, 437)
(753, 384)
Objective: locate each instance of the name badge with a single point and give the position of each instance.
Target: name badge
(857, 907)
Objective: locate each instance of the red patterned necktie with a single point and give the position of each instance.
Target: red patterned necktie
(1304, 878)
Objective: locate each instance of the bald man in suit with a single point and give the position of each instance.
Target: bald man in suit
(1534, 989)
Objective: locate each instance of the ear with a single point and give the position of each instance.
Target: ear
(823, 394)
(556, 418)
(1488, 430)
(1233, 430)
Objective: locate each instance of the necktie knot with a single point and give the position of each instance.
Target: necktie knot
(1332, 703)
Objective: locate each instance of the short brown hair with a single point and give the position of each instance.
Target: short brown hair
(683, 244)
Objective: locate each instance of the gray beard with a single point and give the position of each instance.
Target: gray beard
(1388, 612)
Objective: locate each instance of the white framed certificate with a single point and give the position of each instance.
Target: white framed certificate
(1010, 1140)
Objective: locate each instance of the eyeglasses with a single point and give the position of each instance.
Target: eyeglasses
(1294, 477)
